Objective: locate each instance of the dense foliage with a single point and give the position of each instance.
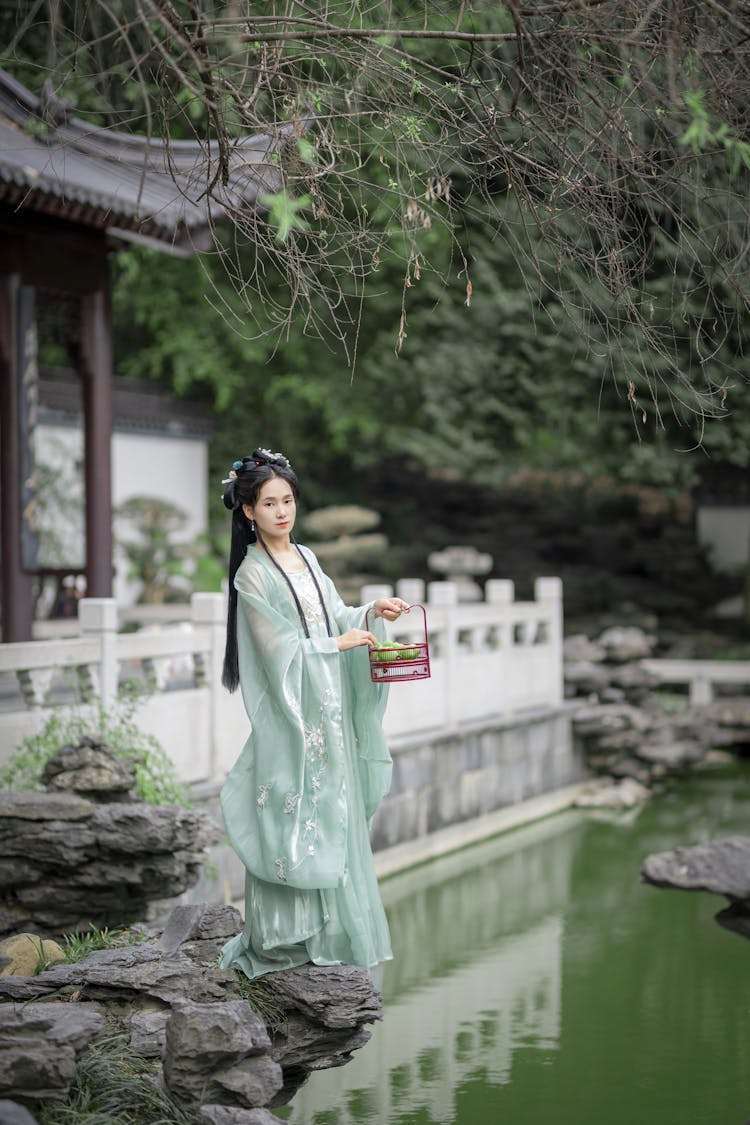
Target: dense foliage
(505, 234)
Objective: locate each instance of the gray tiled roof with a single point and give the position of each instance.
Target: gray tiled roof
(121, 182)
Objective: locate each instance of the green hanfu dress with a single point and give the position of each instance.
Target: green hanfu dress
(298, 802)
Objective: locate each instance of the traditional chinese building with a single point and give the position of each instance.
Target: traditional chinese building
(70, 193)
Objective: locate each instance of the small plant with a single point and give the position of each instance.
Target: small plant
(113, 1086)
(156, 780)
(44, 961)
(77, 947)
(259, 995)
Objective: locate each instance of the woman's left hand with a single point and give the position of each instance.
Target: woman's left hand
(390, 608)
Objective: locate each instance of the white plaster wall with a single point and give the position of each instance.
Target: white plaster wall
(168, 468)
(172, 469)
(725, 531)
(61, 447)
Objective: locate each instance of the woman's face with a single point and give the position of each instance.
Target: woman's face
(275, 509)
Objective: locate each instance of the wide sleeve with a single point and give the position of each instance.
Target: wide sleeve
(284, 802)
(369, 699)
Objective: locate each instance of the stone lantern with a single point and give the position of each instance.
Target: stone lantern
(462, 565)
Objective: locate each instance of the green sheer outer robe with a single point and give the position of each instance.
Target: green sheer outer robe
(298, 801)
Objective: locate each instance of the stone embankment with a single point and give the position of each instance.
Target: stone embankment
(625, 731)
(721, 867)
(208, 1049)
(85, 852)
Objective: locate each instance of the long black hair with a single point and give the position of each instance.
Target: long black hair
(243, 485)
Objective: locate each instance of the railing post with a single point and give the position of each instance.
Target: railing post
(444, 595)
(98, 617)
(411, 590)
(549, 593)
(701, 691)
(375, 590)
(209, 611)
(500, 593)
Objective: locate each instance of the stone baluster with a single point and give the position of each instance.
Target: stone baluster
(208, 611)
(98, 617)
(444, 596)
(548, 592)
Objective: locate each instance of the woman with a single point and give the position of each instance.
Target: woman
(298, 802)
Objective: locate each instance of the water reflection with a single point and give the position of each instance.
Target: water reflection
(536, 979)
(477, 977)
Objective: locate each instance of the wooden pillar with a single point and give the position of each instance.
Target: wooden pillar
(96, 370)
(17, 585)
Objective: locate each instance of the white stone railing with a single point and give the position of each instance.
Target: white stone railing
(701, 676)
(489, 660)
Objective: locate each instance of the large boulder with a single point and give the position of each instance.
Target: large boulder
(69, 862)
(24, 954)
(173, 1004)
(40, 1045)
(219, 1053)
(719, 866)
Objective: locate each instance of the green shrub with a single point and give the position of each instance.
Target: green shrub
(156, 780)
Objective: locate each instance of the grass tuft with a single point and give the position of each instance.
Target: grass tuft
(112, 1086)
(77, 947)
(260, 998)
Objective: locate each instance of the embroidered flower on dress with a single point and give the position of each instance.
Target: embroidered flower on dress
(290, 802)
(263, 791)
(281, 869)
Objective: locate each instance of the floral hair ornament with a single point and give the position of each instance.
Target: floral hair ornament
(266, 457)
(258, 459)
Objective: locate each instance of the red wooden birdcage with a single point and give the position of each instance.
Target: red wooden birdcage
(401, 663)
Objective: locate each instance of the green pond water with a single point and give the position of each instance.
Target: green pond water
(536, 980)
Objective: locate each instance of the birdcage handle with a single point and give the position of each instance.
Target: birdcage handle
(416, 605)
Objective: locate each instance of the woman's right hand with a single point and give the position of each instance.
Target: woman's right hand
(352, 638)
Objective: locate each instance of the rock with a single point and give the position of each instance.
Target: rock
(217, 922)
(219, 1053)
(27, 953)
(251, 1082)
(622, 741)
(715, 760)
(199, 923)
(578, 647)
(730, 712)
(325, 1009)
(629, 767)
(39, 1046)
(11, 1113)
(228, 1115)
(91, 768)
(673, 755)
(69, 863)
(626, 794)
(125, 974)
(148, 1033)
(42, 806)
(214, 1047)
(606, 718)
(624, 643)
(586, 677)
(633, 678)
(333, 995)
(719, 866)
(612, 695)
